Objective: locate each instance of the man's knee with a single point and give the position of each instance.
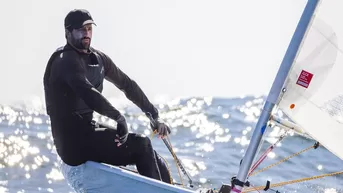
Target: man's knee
(146, 141)
(142, 143)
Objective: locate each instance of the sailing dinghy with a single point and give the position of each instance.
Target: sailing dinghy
(307, 88)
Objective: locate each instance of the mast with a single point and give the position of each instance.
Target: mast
(274, 93)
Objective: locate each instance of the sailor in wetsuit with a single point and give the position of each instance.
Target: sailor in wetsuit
(73, 82)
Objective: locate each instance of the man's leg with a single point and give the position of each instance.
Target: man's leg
(164, 171)
(137, 150)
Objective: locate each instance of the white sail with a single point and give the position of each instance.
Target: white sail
(313, 96)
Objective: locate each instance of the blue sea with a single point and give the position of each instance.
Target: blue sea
(209, 135)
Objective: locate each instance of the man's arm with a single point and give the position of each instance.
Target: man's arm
(130, 88)
(75, 76)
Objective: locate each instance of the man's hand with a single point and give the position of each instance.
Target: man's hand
(160, 127)
(122, 131)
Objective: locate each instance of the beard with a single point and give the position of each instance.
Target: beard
(79, 41)
(83, 43)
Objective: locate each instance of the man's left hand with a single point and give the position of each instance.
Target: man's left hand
(160, 127)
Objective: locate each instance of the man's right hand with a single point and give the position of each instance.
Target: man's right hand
(160, 127)
(122, 131)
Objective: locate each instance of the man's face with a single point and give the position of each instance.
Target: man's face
(81, 38)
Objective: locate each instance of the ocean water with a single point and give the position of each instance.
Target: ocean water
(209, 135)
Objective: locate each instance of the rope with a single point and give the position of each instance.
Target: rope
(173, 154)
(293, 181)
(178, 168)
(283, 160)
(264, 155)
(171, 179)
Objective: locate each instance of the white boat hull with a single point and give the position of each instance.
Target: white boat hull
(100, 178)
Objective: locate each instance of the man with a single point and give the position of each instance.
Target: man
(73, 82)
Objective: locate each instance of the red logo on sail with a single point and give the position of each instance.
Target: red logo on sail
(304, 79)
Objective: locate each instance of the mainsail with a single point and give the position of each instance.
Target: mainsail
(313, 92)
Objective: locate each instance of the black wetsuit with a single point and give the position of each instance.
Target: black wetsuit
(73, 82)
